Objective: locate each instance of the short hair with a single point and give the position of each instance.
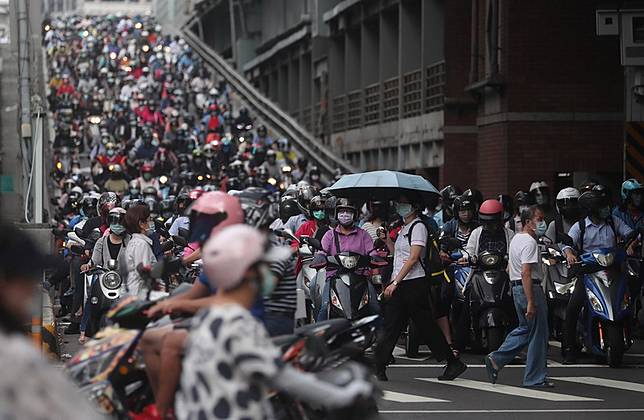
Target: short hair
(134, 215)
(529, 213)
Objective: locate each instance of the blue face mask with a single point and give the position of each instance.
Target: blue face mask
(319, 214)
(117, 229)
(542, 226)
(404, 209)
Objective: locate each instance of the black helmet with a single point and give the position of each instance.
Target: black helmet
(449, 193)
(317, 203)
(89, 205)
(181, 203)
(288, 208)
(305, 193)
(314, 174)
(345, 203)
(462, 203)
(150, 191)
(595, 199)
(521, 199)
(474, 195)
(262, 131)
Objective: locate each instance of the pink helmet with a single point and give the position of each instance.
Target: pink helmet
(229, 254)
(212, 212)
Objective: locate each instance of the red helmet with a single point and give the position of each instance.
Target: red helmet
(212, 212)
(147, 167)
(491, 210)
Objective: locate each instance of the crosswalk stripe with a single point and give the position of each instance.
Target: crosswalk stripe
(608, 383)
(510, 390)
(409, 398)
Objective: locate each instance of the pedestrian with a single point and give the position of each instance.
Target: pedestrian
(29, 387)
(139, 249)
(408, 295)
(530, 303)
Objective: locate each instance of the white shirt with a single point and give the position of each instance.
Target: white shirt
(402, 249)
(524, 250)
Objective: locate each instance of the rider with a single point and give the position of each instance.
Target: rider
(271, 165)
(630, 210)
(314, 228)
(540, 194)
(491, 235)
(521, 203)
(147, 178)
(448, 194)
(567, 214)
(463, 224)
(229, 352)
(346, 237)
(598, 230)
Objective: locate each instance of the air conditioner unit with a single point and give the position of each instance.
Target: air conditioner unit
(632, 37)
(606, 22)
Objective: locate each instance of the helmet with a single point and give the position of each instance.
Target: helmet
(593, 200)
(462, 203)
(474, 195)
(491, 210)
(212, 212)
(228, 255)
(345, 203)
(150, 191)
(630, 186)
(317, 203)
(539, 190)
(262, 131)
(449, 193)
(587, 186)
(507, 202)
(134, 187)
(106, 202)
(305, 193)
(116, 216)
(147, 167)
(181, 203)
(89, 205)
(314, 174)
(166, 207)
(567, 201)
(521, 199)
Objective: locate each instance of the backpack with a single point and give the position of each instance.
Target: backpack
(431, 261)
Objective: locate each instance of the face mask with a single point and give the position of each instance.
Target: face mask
(319, 215)
(636, 199)
(490, 226)
(345, 218)
(403, 209)
(147, 176)
(110, 152)
(604, 212)
(268, 280)
(541, 228)
(117, 229)
(315, 177)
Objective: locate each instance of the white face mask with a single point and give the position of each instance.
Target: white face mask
(345, 218)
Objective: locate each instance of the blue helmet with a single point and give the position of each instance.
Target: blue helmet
(629, 186)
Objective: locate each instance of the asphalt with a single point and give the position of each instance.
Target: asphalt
(585, 391)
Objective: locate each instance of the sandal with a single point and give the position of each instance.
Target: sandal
(455, 351)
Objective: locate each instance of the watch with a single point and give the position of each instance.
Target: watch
(395, 283)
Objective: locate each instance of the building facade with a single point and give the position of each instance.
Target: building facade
(98, 7)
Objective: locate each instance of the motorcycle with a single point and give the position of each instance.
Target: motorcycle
(559, 286)
(489, 297)
(349, 291)
(310, 282)
(102, 290)
(604, 326)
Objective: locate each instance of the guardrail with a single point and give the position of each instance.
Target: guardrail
(303, 141)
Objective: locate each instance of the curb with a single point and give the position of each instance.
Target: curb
(50, 345)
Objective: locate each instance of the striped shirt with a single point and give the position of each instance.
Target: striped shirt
(283, 298)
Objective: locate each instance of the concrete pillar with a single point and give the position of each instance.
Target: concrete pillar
(370, 52)
(410, 35)
(389, 43)
(294, 84)
(352, 59)
(433, 29)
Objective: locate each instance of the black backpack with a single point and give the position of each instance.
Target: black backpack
(431, 261)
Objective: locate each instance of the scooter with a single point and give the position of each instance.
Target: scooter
(559, 287)
(460, 275)
(349, 291)
(309, 282)
(102, 290)
(604, 326)
(490, 301)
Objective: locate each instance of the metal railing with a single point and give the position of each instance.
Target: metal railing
(435, 86)
(372, 104)
(339, 113)
(354, 109)
(302, 138)
(412, 94)
(391, 101)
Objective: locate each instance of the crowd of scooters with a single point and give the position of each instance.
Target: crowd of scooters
(157, 178)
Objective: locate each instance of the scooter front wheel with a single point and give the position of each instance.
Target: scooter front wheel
(615, 343)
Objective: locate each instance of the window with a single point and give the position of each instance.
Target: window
(638, 29)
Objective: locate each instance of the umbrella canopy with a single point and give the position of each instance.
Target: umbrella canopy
(383, 185)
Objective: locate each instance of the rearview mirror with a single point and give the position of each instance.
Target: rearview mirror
(184, 233)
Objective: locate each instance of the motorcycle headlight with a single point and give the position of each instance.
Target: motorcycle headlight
(605, 260)
(489, 259)
(111, 280)
(335, 300)
(594, 302)
(563, 288)
(364, 300)
(348, 262)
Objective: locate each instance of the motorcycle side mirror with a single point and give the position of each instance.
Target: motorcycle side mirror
(180, 241)
(565, 239)
(184, 233)
(112, 264)
(167, 246)
(319, 262)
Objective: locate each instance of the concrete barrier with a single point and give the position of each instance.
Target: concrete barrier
(50, 345)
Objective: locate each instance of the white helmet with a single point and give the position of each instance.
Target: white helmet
(566, 197)
(538, 185)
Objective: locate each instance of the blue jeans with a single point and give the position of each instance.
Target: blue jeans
(278, 323)
(323, 314)
(533, 333)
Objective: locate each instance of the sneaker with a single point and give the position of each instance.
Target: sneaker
(492, 373)
(570, 357)
(545, 384)
(453, 370)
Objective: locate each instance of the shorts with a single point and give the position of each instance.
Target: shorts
(440, 298)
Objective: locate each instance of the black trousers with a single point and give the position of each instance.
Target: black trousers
(572, 314)
(411, 300)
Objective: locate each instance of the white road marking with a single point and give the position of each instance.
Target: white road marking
(554, 410)
(550, 364)
(510, 390)
(409, 398)
(608, 383)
